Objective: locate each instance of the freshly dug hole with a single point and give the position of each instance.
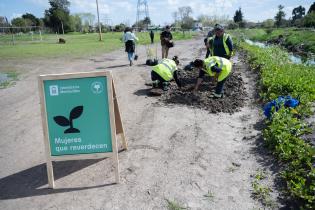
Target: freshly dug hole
(233, 100)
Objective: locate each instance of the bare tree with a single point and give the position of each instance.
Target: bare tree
(184, 12)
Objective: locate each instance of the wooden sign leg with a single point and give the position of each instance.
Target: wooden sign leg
(118, 122)
(116, 161)
(50, 174)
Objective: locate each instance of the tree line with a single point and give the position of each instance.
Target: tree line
(58, 19)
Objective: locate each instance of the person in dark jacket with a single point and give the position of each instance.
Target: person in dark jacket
(166, 41)
(221, 43)
(152, 36)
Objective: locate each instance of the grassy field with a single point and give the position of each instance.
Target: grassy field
(292, 36)
(77, 44)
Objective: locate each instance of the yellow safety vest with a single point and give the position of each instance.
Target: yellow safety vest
(226, 48)
(222, 63)
(166, 69)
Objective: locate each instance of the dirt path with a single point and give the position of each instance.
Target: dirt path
(176, 152)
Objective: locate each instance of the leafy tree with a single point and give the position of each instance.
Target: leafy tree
(143, 24)
(57, 16)
(19, 22)
(311, 9)
(147, 21)
(185, 20)
(309, 20)
(238, 17)
(207, 20)
(75, 23)
(35, 21)
(269, 23)
(187, 23)
(298, 13)
(121, 27)
(279, 18)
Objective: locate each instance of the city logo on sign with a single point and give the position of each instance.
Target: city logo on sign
(53, 90)
(97, 87)
(65, 122)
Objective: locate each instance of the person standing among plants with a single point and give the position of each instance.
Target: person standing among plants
(217, 67)
(221, 43)
(166, 41)
(129, 39)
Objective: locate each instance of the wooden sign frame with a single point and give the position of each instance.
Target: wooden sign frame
(116, 126)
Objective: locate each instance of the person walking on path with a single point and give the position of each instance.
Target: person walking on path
(217, 67)
(166, 41)
(152, 36)
(129, 39)
(221, 43)
(164, 72)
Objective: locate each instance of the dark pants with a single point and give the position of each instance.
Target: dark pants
(220, 85)
(152, 39)
(208, 53)
(155, 76)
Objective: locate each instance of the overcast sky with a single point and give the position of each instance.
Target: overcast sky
(160, 11)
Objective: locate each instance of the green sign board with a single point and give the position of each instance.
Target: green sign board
(78, 115)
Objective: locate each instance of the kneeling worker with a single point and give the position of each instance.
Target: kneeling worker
(217, 67)
(164, 72)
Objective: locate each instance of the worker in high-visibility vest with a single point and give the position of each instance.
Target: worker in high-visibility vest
(214, 66)
(208, 42)
(164, 72)
(221, 43)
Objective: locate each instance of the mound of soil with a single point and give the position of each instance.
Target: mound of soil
(233, 100)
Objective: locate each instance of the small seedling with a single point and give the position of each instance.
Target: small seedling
(172, 205)
(261, 192)
(209, 195)
(63, 121)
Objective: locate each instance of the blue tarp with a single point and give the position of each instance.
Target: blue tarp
(287, 101)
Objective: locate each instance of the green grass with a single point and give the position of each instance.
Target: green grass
(292, 36)
(77, 45)
(209, 195)
(262, 192)
(172, 205)
(12, 77)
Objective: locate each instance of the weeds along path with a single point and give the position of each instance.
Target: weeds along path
(180, 154)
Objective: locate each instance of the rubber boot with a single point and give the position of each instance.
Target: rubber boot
(166, 86)
(155, 83)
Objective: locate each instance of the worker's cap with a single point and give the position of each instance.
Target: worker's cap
(218, 27)
(167, 27)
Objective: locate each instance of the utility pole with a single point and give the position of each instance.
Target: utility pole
(98, 19)
(142, 9)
